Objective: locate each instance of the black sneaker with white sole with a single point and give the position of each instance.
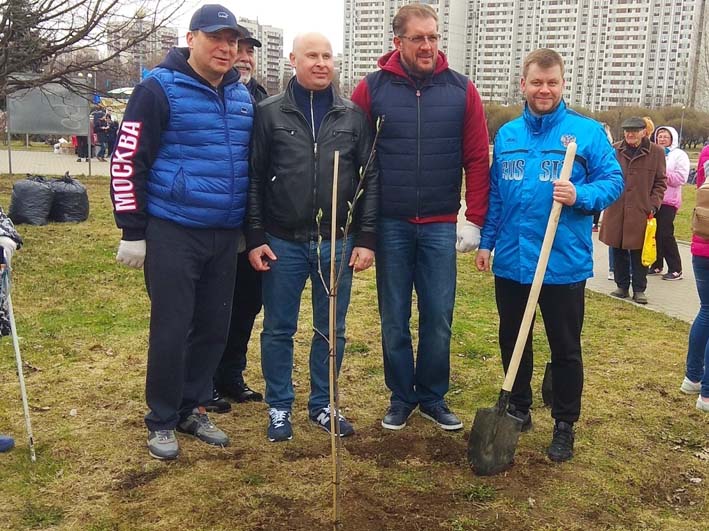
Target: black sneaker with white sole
(217, 404)
(396, 416)
(279, 426)
(441, 415)
(321, 418)
(525, 417)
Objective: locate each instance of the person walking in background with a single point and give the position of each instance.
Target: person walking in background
(296, 134)
(624, 222)
(526, 166)
(179, 180)
(696, 379)
(229, 377)
(434, 129)
(677, 171)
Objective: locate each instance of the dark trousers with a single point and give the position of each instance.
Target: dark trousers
(245, 308)
(665, 240)
(189, 275)
(627, 264)
(562, 308)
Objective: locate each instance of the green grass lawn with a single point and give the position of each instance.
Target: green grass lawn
(683, 220)
(642, 450)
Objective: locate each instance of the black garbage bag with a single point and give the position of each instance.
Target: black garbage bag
(71, 202)
(31, 201)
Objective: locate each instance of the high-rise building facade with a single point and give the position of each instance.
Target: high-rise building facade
(368, 34)
(617, 52)
(268, 57)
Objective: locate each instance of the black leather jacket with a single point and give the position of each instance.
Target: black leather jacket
(291, 174)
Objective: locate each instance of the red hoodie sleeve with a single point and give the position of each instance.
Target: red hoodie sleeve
(476, 158)
(362, 99)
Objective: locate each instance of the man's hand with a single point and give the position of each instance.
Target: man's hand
(260, 257)
(361, 259)
(10, 246)
(468, 237)
(482, 260)
(131, 253)
(564, 192)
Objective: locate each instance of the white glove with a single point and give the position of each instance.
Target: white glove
(10, 246)
(132, 253)
(468, 237)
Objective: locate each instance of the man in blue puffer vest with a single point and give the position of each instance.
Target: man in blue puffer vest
(434, 130)
(524, 180)
(179, 179)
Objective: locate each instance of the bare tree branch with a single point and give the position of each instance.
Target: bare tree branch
(52, 41)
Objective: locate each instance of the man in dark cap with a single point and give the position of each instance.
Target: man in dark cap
(624, 222)
(179, 176)
(229, 378)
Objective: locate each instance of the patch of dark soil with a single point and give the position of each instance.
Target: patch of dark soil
(670, 489)
(316, 451)
(389, 449)
(136, 479)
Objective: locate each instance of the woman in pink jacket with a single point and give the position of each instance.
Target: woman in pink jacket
(677, 172)
(696, 380)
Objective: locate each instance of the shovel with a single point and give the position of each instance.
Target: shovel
(494, 436)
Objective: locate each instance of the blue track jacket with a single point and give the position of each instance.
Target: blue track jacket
(528, 156)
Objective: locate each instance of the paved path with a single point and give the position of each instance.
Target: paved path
(678, 299)
(47, 163)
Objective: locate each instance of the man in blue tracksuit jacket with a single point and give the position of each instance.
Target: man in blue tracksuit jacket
(527, 160)
(179, 178)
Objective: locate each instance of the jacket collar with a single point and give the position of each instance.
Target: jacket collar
(289, 103)
(546, 121)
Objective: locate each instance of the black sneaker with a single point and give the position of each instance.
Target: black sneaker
(562, 445)
(396, 416)
(279, 426)
(217, 404)
(441, 415)
(322, 420)
(198, 424)
(525, 417)
(239, 392)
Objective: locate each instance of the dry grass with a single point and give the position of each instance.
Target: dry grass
(641, 445)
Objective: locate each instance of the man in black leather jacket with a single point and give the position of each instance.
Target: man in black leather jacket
(290, 193)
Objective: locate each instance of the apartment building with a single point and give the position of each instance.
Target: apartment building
(617, 52)
(268, 57)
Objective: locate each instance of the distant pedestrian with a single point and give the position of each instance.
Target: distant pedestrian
(677, 172)
(624, 222)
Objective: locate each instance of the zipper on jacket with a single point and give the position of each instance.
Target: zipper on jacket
(418, 151)
(315, 160)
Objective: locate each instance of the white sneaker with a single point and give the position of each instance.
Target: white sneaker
(688, 387)
(611, 275)
(702, 405)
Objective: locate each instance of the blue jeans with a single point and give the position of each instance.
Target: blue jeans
(420, 256)
(283, 286)
(698, 349)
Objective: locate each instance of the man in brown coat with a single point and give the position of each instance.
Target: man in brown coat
(624, 222)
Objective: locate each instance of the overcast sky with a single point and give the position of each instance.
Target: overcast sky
(293, 16)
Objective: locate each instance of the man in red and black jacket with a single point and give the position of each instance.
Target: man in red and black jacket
(434, 128)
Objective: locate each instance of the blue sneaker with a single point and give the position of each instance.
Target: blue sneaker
(441, 415)
(279, 427)
(396, 416)
(6, 443)
(321, 419)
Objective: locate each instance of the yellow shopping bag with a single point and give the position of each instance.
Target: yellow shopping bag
(649, 254)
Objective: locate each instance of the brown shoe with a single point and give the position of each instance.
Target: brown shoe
(639, 297)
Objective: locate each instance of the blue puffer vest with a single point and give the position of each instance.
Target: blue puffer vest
(420, 146)
(200, 177)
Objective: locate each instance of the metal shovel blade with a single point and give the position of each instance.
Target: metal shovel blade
(493, 440)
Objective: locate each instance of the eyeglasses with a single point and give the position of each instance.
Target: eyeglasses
(418, 40)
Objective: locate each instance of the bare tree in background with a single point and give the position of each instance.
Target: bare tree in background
(53, 41)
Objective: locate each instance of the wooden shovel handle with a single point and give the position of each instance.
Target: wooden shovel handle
(538, 274)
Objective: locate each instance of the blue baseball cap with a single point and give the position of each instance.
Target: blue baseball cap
(211, 18)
